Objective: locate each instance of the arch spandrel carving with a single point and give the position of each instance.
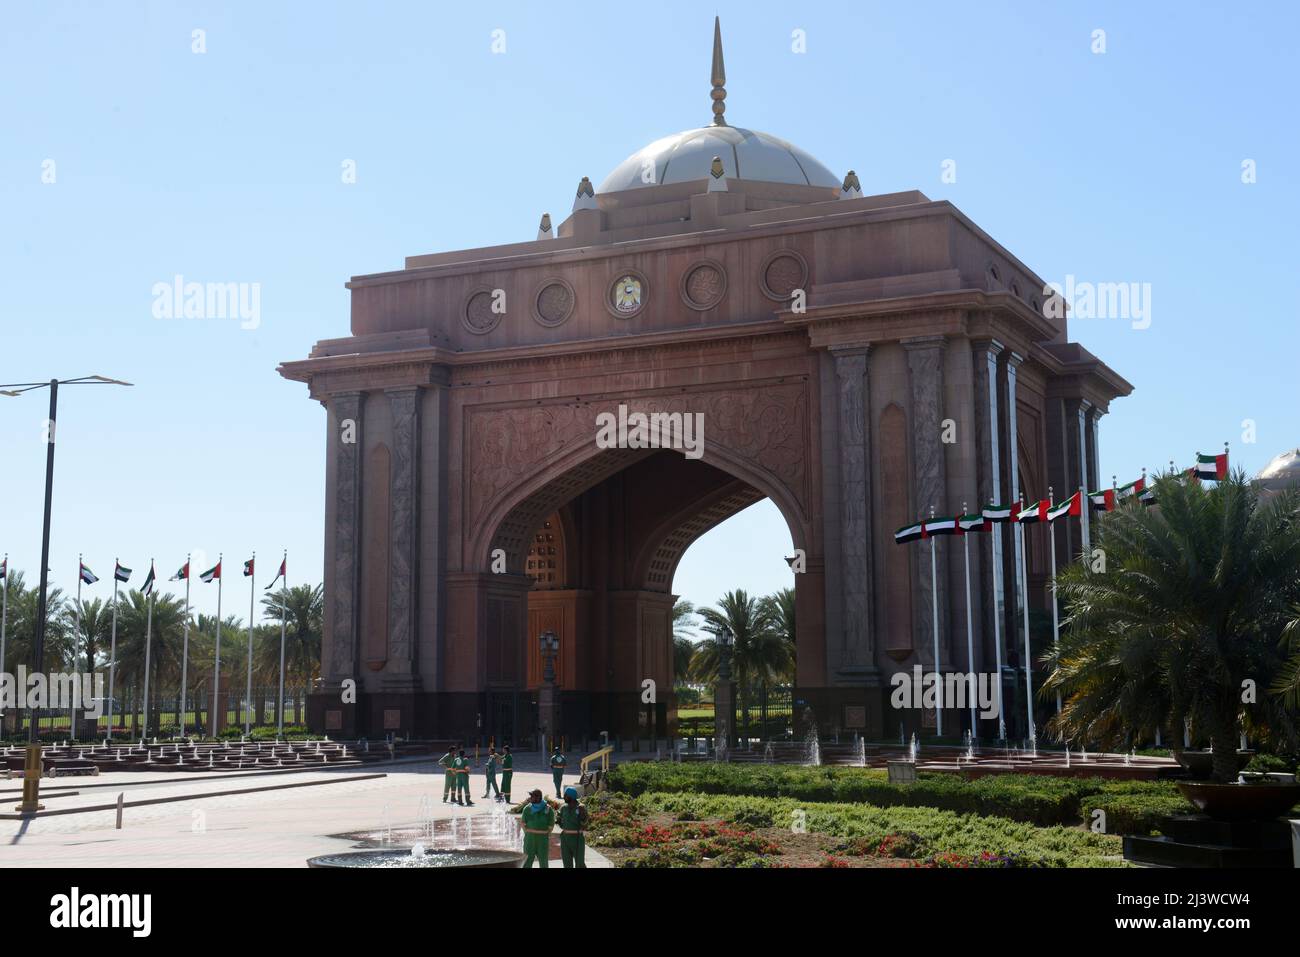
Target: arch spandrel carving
(513, 453)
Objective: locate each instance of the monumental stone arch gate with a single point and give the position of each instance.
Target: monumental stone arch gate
(856, 359)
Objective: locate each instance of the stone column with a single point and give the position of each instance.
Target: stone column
(1077, 423)
(925, 363)
(346, 436)
(990, 489)
(857, 649)
(1094, 449)
(401, 671)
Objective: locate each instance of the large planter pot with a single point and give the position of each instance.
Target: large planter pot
(1200, 764)
(1241, 802)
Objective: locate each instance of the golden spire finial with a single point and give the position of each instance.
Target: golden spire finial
(719, 77)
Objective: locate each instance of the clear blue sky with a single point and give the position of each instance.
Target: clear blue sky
(225, 167)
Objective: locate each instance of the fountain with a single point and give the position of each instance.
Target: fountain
(812, 748)
(769, 756)
(969, 755)
(862, 752)
(915, 750)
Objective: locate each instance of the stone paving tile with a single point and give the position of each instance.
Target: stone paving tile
(265, 829)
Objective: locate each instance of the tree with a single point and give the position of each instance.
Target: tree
(20, 643)
(1192, 605)
(683, 639)
(303, 609)
(96, 630)
(164, 637)
(760, 656)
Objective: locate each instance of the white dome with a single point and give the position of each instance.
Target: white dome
(1283, 470)
(746, 154)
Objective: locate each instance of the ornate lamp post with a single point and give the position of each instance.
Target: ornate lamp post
(548, 718)
(32, 766)
(723, 705)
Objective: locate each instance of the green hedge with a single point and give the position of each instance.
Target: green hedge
(1026, 798)
(930, 831)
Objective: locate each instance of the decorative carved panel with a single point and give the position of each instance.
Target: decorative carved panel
(375, 566)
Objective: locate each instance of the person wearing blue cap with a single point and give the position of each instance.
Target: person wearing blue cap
(573, 821)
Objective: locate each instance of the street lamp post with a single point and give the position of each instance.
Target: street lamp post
(722, 699)
(548, 712)
(32, 766)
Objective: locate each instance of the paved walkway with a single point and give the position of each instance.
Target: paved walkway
(274, 828)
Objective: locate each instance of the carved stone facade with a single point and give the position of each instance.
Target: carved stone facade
(822, 345)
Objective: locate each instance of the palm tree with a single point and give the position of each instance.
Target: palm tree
(165, 637)
(302, 607)
(96, 627)
(683, 639)
(1191, 607)
(20, 643)
(760, 655)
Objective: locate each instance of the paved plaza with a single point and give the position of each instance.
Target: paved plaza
(264, 819)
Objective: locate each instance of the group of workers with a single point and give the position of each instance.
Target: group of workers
(539, 815)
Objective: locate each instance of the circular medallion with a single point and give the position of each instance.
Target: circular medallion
(783, 272)
(479, 316)
(704, 284)
(627, 295)
(554, 302)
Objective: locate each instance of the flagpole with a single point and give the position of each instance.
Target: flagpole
(72, 706)
(1024, 590)
(248, 692)
(112, 655)
(216, 674)
(284, 623)
(934, 616)
(4, 619)
(997, 623)
(970, 628)
(185, 645)
(148, 641)
(1056, 623)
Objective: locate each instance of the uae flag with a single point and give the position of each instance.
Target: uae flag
(121, 572)
(1072, 506)
(147, 587)
(4, 568)
(211, 573)
(1147, 496)
(972, 523)
(941, 526)
(248, 568)
(1033, 512)
(1102, 501)
(1136, 487)
(909, 533)
(88, 576)
(1212, 467)
(278, 575)
(997, 514)
(182, 573)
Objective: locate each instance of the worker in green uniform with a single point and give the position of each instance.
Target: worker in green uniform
(573, 821)
(462, 779)
(538, 820)
(449, 775)
(507, 773)
(557, 768)
(491, 775)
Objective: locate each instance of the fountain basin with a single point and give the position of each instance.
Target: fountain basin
(1240, 802)
(466, 857)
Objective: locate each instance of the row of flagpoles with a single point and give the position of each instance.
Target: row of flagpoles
(1207, 467)
(122, 574)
